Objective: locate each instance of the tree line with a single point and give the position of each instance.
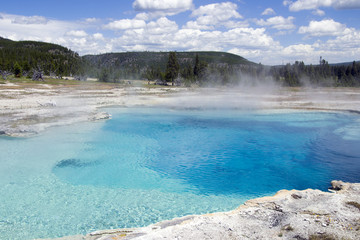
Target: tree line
(291, 75)
(199, 72)
(324, 74)
(26, 58)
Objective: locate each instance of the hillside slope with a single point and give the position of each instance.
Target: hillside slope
(159, 59)
(31, 55)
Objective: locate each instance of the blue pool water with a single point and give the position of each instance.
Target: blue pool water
(146, 165)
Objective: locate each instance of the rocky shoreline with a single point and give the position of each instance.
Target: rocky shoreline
(28, 109)
(308, 214)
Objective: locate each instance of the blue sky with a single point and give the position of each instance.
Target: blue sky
(270, 32)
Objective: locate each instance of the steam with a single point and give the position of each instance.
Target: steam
(242, 92)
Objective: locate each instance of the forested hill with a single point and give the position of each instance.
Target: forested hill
(32, 55)
(159, 59)
(152, 65)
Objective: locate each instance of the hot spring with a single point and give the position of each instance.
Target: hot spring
(151, 164)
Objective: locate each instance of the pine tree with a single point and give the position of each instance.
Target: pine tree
(172, 68)
(197, 66)
(17, 70)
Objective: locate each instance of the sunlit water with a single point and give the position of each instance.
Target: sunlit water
(147, 165)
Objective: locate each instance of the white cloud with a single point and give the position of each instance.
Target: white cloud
(278, 22)
(298, 50)
(91, 20)
(217, 14)
(38, 28)
(220, 11)
(158, 8)
(29, 20)
(249, 37)
(142, 16)
(98, 36)
(268, 11)
(345, 47)
(162, 26)
(235, 24)
(125, 24)
(196, 25)
(347, 43)
(327, 27)
(76, 33)
(318, 12)
(315, 4)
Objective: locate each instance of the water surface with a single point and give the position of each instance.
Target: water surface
(146, 165)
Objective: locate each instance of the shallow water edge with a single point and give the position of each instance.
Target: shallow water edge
(286, 215)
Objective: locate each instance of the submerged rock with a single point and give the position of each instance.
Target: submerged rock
(307, 214)
(100, 116)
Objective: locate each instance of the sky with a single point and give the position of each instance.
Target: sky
(270, 32)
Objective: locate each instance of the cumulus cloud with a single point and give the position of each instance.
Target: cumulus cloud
(217, 14)
(327, 27)
(344, 47)
(142, 16)
(298, 50)
(315, 4)
(125, 24)
(161, 26)
(220, 11)
(347, 44)
(157, 8)
(98, 36)
(33, 27)
(76, 33)
(278, 22)
(268, 11)
(196, 25)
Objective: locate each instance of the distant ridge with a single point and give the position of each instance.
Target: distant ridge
(159, 59)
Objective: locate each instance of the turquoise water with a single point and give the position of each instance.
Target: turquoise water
(146, 165)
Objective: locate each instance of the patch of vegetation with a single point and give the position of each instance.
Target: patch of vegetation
(287, 227)
(321, 237)
(354, 204)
